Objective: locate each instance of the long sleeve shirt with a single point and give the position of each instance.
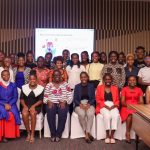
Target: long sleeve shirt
(56, 95)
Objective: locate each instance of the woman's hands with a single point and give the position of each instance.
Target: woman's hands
(62, 104)
(85, 107)
(7, 107)
(110, 108)
(25, 108)
(50, 104)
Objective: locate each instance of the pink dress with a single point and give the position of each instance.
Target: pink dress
(131, 97)
(42, 76)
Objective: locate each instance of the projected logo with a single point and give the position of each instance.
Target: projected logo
(49, 47)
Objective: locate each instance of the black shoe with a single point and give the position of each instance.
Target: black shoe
(57, 139)
(53, 139)
(91, 137)
(88, 141)
(5, 140)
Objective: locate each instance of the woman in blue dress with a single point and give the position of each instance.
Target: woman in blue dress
(9, 114)
(21, 73)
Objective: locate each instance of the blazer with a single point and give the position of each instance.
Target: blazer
(77, 94)
(100, 97)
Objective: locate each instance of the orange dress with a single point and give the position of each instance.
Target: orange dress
(64, 75)
(131, 97)
(42, 76)
(9, 129)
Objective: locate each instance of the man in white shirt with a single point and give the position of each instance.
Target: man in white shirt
(144, 74)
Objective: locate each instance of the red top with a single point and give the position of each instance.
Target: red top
(42, 76)
(131, 97)
(100, 97)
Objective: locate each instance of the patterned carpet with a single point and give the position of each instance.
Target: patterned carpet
(68, 144)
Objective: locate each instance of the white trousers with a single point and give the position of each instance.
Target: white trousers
(111, 117)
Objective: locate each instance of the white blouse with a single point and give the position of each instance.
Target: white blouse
(74, 75)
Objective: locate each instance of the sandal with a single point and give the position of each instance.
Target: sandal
(128, 140)
(28, 138)
(32, 139)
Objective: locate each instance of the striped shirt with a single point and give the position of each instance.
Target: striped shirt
(56, 95)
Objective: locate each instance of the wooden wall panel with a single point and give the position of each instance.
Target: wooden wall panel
(119, 25)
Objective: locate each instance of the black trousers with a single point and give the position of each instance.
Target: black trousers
(51, 117)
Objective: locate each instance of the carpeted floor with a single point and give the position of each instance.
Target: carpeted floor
(68, 144)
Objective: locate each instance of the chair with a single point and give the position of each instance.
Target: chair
(76, 129)
(39, 118)
(101, 134)
(65, 133)
(39, 123)
(132, 133)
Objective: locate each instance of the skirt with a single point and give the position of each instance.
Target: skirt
(9, 129)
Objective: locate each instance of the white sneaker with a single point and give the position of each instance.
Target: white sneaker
(107, 140)
(112, 141)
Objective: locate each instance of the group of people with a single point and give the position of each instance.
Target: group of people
(66, 84)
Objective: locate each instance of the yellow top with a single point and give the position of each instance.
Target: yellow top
(94, 71)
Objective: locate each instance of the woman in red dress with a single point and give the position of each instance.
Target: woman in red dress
(130, 94)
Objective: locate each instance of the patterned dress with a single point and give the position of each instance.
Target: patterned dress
(118, 73)
(42, 76)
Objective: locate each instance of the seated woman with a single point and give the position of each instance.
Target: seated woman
(84, 100)
(9, 114)
(31, 101)
(107, 103)
(57, 96)
(130, 94)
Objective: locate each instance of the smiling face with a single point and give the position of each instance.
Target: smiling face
(21, 61)
(7, 62)
(113, 58)
(48, 57)
(132, 81)
(107, 80)
(32, 80)
(130, 61)
(84, 78)
(40, 62)
(140, 54)
(5, 75)
(121, 59)
(75, 59)
(30, 58)
(66, 54)
(84, 57)
(56, 76)
(103, 57)
(95, 57)
(59, 64)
